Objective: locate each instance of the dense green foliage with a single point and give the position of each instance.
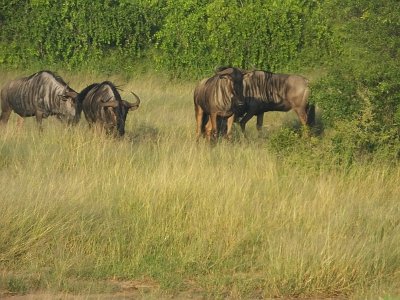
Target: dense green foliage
(366, 71)
(75, 31)
(181, 36)
(263, 34)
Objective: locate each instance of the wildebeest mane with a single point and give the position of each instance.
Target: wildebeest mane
(222, 68)
(85, 91)
(54, 75)
(115, 88)
(97, 86)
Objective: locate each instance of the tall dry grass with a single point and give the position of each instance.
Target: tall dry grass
(78, 209)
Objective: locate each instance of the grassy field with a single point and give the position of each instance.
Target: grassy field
(158, 215)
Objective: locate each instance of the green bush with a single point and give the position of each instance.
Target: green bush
(201, 35)
(185, 38)
(347, 142)
(74, 32)
(365, 64)
(335, 94)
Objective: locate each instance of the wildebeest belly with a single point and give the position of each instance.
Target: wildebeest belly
(23, 107)
(259, 106)
(28, 107)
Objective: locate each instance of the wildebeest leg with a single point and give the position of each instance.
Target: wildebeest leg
(5, 113)
(208, 129)
(214, 126)
(199, 119)
(245, 119)
(20, 122)
(260, 119)
(310, 115)
(302, 114)
(39, 118)
(229, 125)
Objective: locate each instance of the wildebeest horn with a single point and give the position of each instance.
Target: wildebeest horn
(71, 94)
(226, 71)
(132, 106)
(137, 99)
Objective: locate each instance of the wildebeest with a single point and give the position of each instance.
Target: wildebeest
(265, 91)
(41, 95)
(102, 104)
(218, 96)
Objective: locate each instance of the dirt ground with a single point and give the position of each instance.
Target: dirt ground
(126, 290)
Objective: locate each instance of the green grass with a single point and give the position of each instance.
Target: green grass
(80, 210)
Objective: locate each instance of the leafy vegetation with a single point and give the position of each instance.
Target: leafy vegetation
(77, 33)
(365, 70)
(178, 36)
(200, 36)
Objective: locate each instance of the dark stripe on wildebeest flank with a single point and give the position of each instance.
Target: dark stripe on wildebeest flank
(42, 94)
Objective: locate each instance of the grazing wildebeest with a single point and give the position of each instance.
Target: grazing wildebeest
(42, 94)
(102, 104)
(218, 96)
(265, 91)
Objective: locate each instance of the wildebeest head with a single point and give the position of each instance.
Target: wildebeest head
(68, 101)
(115, 111)
(102, 104)
(235, 76)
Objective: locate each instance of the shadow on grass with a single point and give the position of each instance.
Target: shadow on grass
(144, 133)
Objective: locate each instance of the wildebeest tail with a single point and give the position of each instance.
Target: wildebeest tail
(310, 114)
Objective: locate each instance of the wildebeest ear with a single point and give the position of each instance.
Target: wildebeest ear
(113, 104)
(68, 95)
(71, 94)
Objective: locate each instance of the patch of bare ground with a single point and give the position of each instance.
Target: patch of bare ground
(132, 289)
